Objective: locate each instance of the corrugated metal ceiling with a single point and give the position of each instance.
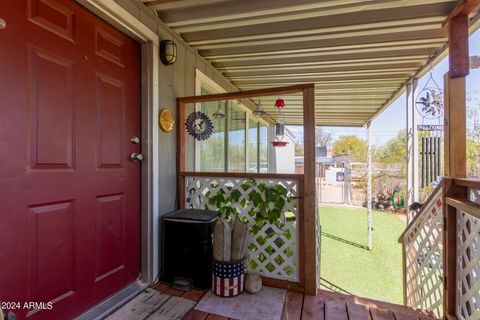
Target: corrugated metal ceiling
(357, 52)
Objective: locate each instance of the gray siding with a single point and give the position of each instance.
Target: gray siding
(176, 80)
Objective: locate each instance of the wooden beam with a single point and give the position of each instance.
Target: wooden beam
(455, 154)
(282, 284)
(469, 183)
(309, 192)
(458, 47)
(464, 8)
(450, 253)
(286, 176)
(247, 94)
(464, 205)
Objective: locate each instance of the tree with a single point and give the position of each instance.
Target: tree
(351, 145)
(299, 149)
(394, 151)
(322, 138)
(473, 133)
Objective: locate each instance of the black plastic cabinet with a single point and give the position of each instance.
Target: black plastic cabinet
(187, 246)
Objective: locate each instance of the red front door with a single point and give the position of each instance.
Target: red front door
(69, 193)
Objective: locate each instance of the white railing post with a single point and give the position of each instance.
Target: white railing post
(412, 148)
(369, 185)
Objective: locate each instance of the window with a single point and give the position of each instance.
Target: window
(236, 118)
(239, 142)
(253, 146)
(212, 150)
(263, 148)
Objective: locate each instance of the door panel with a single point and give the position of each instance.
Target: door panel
(69, 194)
(51, 140)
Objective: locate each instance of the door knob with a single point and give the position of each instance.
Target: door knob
(136, 157)
(135, 140)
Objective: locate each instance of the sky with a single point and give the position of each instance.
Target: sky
(393, 119)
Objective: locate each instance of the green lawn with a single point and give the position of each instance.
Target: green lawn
(346, 263)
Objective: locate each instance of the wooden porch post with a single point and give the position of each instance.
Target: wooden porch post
(455, 144)
(309, 195)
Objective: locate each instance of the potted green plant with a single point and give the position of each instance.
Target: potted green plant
(265, 204)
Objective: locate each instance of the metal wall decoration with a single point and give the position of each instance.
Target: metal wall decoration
(430, 106)
(199, 126)
(166, 120)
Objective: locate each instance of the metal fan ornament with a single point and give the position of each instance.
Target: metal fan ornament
(199, 125)
(279, 125)
(429, 101)
(220, 114)
(258, 112)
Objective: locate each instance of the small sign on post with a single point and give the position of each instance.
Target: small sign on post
(430, 127)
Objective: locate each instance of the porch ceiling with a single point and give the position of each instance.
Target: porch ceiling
(358, 53)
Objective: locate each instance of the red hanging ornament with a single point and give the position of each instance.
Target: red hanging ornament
(279, 125)
(279, 103)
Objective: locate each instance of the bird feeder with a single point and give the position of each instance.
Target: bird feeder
(279, 125)
(279, 135)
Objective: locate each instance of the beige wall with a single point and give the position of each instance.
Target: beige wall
(176, 80)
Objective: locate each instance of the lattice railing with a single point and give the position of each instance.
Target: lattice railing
(272, 251)
(423, 257)
(468, 262)
(468, 267)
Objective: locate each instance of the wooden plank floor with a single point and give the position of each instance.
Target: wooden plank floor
(326, 305)
(159, 303)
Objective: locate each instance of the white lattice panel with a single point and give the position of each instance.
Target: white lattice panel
(272, 252)
(424, 258)
(468, 267)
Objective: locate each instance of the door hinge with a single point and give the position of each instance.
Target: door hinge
(445, 223)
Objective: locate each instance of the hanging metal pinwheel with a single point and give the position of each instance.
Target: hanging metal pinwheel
(199, 126)
(429, 102)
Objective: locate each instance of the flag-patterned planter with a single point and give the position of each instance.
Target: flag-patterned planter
(228, 278)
